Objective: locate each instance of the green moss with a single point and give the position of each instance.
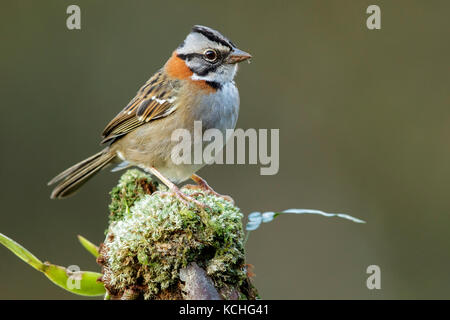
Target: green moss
(152, 236)
(132, 186)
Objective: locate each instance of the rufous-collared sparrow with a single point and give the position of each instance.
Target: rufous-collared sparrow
(195, 84)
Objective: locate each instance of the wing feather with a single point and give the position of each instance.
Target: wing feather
(152, 101)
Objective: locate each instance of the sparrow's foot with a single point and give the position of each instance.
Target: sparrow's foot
(174, 190)
(184, 198)
(188, 199)
(203, 185)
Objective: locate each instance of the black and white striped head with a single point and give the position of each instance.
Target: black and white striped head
(210, 55)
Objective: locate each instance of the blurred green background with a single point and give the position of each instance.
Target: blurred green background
(364, 120)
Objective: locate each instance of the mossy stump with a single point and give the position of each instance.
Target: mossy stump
(156, 247)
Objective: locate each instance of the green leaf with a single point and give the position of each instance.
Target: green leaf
(79, 282)
(21, 252)
(89, 246)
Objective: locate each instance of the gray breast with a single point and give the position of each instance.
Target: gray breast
(220, 109)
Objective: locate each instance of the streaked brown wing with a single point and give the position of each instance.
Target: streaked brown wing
(154, 100)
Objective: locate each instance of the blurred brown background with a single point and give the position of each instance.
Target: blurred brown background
(364, 128)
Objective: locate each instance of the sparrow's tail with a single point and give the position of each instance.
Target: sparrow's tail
(73, 178)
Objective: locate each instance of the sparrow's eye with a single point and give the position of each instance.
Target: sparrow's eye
(210, 55)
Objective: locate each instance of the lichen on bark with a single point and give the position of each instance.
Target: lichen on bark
(152, 236)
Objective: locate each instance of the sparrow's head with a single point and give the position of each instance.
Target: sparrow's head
(210, 56)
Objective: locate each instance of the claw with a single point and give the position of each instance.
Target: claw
(188, 199)
(184, 198)
(204, 186)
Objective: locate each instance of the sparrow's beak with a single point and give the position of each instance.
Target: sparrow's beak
(237, 56)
